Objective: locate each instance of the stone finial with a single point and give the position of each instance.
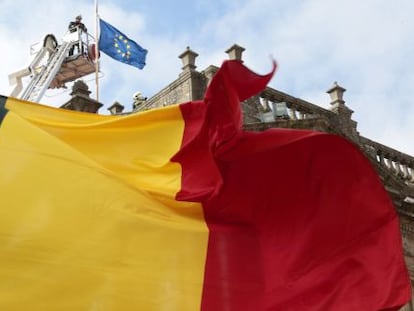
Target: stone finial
(336, 92)
(81, 101)
(235, 52)
(188, 58)
(80, 88)
(116, 108)
(345, 124)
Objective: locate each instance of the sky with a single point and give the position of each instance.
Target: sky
(366, 46)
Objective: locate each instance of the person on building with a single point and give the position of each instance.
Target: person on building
(77, 25)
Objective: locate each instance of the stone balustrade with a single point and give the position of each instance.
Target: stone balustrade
(278, 105)
(398, 163)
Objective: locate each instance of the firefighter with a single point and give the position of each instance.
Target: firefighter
(77, 25)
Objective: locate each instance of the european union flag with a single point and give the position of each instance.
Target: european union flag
(118, 46)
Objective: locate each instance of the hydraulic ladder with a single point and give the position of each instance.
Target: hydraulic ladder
(41, 81)
(52, 66)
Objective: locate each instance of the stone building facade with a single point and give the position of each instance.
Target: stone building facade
(275, 109)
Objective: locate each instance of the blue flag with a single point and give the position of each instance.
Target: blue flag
(118, 46)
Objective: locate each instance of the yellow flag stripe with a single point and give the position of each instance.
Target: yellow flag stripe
(78, 231)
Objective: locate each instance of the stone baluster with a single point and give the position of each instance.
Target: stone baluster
(292, 113)
(397, 166)
(405, 173)
(266, 106)
(388, 163)
(266, 113)
(410, 174)
(381, 158)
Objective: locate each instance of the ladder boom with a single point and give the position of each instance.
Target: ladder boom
(41, 81)
(15, 78)
(54, 65)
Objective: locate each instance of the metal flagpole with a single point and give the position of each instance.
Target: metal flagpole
(96, 50)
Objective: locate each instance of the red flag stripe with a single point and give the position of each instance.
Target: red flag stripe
(298, 220)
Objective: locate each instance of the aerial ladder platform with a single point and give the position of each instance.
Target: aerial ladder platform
(54, 65)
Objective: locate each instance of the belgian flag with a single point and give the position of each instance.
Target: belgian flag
(180, 209)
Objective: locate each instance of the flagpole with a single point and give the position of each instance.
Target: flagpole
(96, 51)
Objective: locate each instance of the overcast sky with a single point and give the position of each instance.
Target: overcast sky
(365, 45)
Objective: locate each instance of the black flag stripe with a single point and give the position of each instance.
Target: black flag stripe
(3, 109)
